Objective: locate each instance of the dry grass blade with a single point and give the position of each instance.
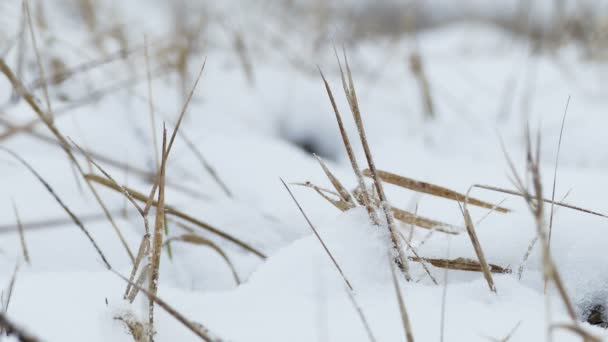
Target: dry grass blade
(432, 189)
(419, 221)
(53, 222)
(138, 330)
(560, 204)
(405, 318)
(175, 130)
(477, 246)
(585, 335)
(351, 155)
(201, 241)
(174, 212)
(31, 101)
(5, 301)
(559, 147)
(206, 165)
(74, 218)
(399, 214)
(196, 328)
(13, 330)
(344, 194)
(26, 254)
(314, 230)
(143, 252)
(461, 264)
(38, 59)
(351, 95)
(157, 240)
(151, 104)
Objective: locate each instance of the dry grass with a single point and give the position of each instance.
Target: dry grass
(13, 329)
(24, 250)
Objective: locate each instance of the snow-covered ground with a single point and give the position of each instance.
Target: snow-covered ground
(259, 106)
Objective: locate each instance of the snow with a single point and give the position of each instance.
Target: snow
(486, 83)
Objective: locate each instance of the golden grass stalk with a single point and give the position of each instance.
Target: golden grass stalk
(461, 264)
(74, 218)
(432, 189)
(26, 254)
(151, 104)
(399, 214)
(344, 194)
(559, 147)
(351, 155)
(176, 129)
(405, 318)
(29, 98)
(174, 212)
(13, 330)
(157, 240)
(197, 328)
(477, 246)
(558, 203)
(351, 96)
(201, 241)
(535, 203)
(143, 252)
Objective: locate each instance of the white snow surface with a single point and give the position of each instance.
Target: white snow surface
(486, 85)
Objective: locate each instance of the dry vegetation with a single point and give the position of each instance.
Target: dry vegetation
(174, 57)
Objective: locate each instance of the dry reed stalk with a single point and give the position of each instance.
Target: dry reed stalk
(26, 254)
(560, 204)
(74, 218)
(351, 155)
(535, 203)
(400, 215)
(314, 230)
(13, 330)
(197, 328)
(349, 288)
(142, 252)
(174, 212)
(344, 194)
(559, 147)
(206, 165)
(351, 95)
(201, 241)
(6, 300)
(157, 240)
(405, 318)
(461, 264)
(38, 59)
(417, 68)
(432, 189)
(176, 129)
(49, 223)
(151, 104)
(422, 222)
(477, 246)
(4, 68)
(578, 330)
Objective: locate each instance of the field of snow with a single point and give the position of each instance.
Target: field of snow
(257, 115)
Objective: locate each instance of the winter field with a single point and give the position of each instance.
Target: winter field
(447, 183)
